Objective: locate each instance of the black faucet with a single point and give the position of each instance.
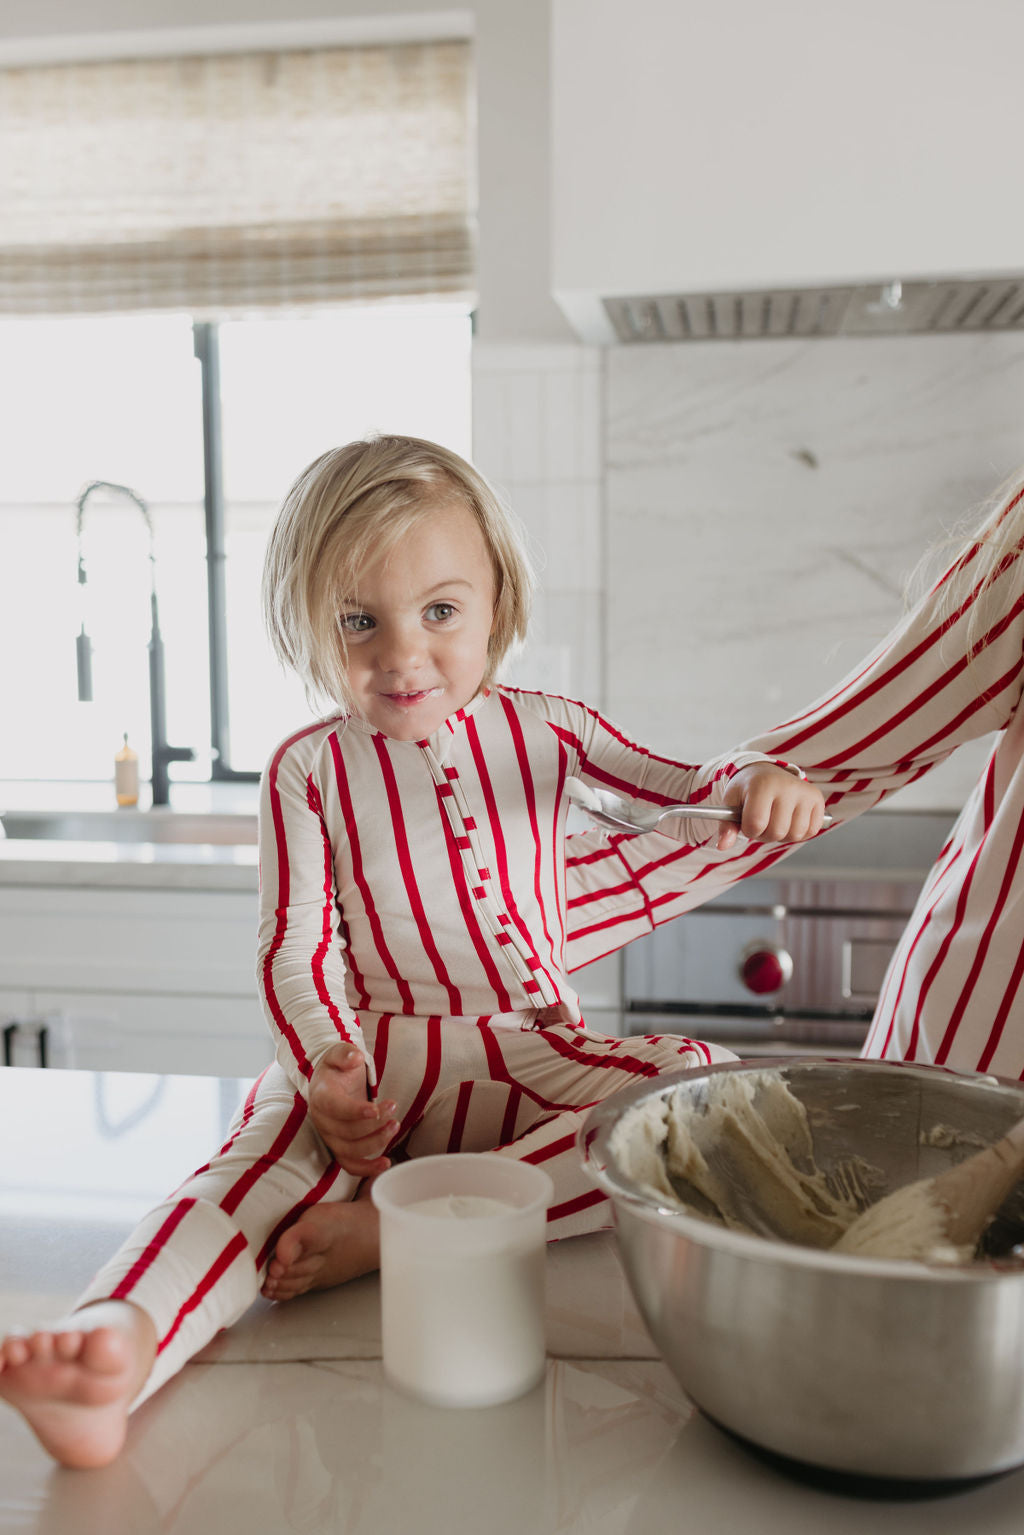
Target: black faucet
(161, 752)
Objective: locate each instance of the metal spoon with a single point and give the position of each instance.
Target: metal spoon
(618, 814)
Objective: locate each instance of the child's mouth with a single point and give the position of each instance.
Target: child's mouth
(409, 700)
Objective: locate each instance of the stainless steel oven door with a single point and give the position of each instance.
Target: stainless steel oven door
(794, 963)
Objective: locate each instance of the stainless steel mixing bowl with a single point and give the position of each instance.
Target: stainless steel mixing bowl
(878, 1368)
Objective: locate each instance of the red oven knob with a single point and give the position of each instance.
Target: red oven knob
(764, 968)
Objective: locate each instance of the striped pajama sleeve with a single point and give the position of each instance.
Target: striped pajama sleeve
(950, 673)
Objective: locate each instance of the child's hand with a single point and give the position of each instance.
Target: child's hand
(777, 806)
(353, 1129)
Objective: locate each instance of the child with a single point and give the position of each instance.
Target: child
(412, 932)
(952, 671)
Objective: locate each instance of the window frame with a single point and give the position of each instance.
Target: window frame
(206, 343)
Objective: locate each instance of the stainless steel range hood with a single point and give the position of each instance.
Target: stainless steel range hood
(952, 306)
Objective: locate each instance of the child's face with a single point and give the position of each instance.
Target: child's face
(417, 628)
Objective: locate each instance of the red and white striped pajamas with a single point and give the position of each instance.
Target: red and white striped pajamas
(953, 994)
(414, 902)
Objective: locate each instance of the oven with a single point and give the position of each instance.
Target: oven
(774, 966)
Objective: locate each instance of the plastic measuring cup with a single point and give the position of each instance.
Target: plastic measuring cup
(462, 1250)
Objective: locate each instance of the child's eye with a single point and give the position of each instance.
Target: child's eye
(440, 612)
(356, 623)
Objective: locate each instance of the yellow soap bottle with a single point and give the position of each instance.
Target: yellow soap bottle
(126, 775)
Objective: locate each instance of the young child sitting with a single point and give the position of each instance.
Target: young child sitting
(411, 952)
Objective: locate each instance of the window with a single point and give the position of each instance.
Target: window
(120, 399)
(163, 220)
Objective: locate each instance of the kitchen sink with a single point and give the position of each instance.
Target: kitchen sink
(128, 826)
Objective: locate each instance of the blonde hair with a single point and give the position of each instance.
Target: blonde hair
(352, 505)
(989, 543)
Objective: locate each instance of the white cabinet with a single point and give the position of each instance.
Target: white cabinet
(715, 148)
(156, 981)
(129, 1031)
(132, 980)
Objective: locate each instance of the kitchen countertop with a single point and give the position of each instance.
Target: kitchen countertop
(286, 1423)
(888, 844)
(128, 865)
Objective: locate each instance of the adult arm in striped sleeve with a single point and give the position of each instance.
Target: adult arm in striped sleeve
(949, 673)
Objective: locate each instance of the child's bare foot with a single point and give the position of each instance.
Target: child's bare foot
(74, 1382)
(328, 1244)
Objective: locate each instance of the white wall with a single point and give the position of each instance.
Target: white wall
(701, 147)
(780, 494)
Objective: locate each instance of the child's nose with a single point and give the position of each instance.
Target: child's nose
(400, 647)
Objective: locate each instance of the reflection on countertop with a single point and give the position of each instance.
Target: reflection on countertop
(287, 1423)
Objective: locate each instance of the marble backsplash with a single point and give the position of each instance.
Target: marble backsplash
(537, 435)
(726, 528)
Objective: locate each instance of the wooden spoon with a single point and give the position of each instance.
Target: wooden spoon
(949, 1211)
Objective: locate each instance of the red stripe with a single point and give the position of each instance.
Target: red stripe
(508, 1124)
(818, 721)
(237, 1245)
(682, 1044)
(248, 1106)
(558, 844)
(499, 1072)
(1009, 877)
(575, 742)
(847, 703)
(574, 1206)
(401, 837)
(494, 820)
(912, 1044)
(326, 922)
(599, 1059)
(595, 854)
(459, 1117)
(265, 1162)
(530, 795)
(606, 893)
(380, 1046)
(283, 894)
(503, 1002)
(555, 1149)
(956, 568)
(1005, 1006)
(359, 878)
(892, 721)
(431, 1074)
(327, 1179)
(152, 1250)
(683, 897)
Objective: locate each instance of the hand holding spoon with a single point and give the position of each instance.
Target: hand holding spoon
(618, 814)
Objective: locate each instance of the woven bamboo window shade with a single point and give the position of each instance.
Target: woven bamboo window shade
(237, 182)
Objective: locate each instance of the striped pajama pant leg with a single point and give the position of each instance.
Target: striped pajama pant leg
(195, 1263)
(523, 1091)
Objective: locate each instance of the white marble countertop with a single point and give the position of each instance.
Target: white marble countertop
(890, 844)
(287, 1424)
(128, 865)
(106, 864)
